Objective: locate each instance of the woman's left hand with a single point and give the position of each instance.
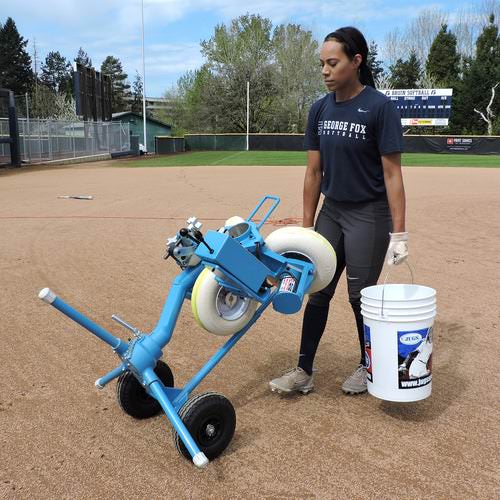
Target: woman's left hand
(398, 248)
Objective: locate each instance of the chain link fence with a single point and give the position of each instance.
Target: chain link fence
(46, 140)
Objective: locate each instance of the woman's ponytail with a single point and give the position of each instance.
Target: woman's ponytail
(366, 75)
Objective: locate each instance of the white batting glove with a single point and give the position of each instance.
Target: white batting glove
(310, 227)
(398, 249)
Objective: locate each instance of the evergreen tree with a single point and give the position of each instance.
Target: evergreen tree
(56, 72)
(480, 75)
(83, 58)
(137, 91)
(15, 62)
(442, 63)
(406, 74)
(121, 89)
(373, 62)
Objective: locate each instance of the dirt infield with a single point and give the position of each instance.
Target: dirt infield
(60, 437)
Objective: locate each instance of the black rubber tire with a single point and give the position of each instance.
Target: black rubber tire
(209, 408)
(133, 398)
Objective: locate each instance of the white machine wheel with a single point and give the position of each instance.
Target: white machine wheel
(299, 242)
(216, 309)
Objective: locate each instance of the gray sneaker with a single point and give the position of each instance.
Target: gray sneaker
(295, 379)
(356, 383)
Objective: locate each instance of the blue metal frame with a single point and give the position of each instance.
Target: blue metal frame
(140, 355)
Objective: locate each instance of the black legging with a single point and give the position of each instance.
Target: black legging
(359, 233)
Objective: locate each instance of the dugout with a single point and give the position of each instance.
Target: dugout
(154, 127)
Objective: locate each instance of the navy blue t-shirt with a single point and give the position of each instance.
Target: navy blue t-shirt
(351, 136)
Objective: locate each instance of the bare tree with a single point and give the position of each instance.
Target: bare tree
(468, 22)
(489, 116)
(394, 47)
(422, 31)
(417, 35)
(465, 29)
(64, 108)
(489, 7)
(383, 82)
(426, 81)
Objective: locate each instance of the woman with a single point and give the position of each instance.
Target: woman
(354, 141)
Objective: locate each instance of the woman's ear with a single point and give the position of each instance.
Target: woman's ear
(357, 60)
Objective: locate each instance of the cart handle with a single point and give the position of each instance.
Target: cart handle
(269, 212)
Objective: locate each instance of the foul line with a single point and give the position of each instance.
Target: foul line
(284, 222)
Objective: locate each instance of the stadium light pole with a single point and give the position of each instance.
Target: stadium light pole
(248, 111)
(143, 82)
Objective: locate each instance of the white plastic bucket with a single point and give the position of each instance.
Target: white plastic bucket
(397, 295)
(393, 304)
(397, 312)
(398, 321)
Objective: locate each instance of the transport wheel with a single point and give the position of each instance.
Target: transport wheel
(218, 310)
(211, 420)
(304, 244)
(133, 398)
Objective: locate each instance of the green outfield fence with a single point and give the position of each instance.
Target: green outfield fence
(471, 144)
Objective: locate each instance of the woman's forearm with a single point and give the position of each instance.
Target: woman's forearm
(397, 204)
(311, 194)
(395, 191)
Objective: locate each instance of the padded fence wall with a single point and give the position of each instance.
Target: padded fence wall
(215, 142)
(168, 144)
(472, 144)
(295, 142)
(276, 142)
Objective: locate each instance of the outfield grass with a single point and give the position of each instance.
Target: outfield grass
(291, 158)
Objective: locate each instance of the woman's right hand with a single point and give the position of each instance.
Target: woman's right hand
(397, 252)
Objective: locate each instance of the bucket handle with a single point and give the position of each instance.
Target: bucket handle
(385, 280)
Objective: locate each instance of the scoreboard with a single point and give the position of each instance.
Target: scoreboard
(422, 107)
(92, 92)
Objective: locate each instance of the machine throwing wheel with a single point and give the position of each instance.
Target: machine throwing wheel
(210, 418)
(235, 219)
(216, 309)
(133, 398)
(301, 243)
(232, 221)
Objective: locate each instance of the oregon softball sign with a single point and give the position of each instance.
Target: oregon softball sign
(422, 106)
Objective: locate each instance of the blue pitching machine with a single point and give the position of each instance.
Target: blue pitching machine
(230, 275)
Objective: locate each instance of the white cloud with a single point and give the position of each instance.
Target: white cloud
(104, 27)
(169, 58)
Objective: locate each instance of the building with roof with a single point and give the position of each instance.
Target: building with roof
(154, 127)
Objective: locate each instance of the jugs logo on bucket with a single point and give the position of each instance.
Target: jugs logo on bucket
(410, 338)
(415, 358)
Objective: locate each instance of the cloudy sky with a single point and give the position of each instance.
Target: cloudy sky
(174, 28)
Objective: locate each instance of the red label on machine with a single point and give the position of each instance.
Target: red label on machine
(288, 284)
